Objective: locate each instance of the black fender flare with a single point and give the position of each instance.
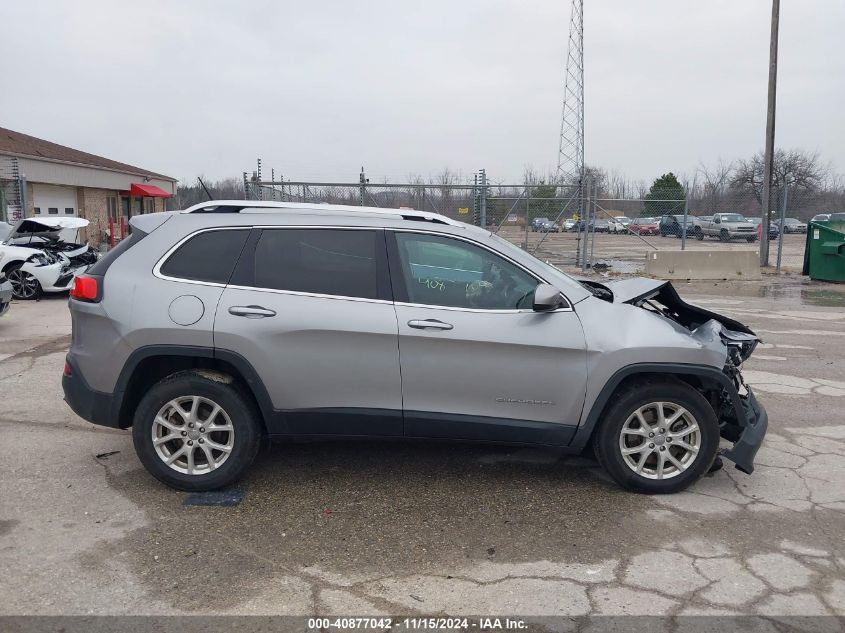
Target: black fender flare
(247, 372)
(704, 372)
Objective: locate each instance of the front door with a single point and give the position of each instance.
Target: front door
(310, 310)
(477, 361)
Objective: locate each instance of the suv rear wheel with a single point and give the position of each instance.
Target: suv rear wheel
(194, 433)
(658, 437)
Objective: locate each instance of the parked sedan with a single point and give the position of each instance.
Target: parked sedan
(538, 223)
(793, 225)
(673, 225)
(820, 217)
(774, 231)
(616, 226)
(644, 226)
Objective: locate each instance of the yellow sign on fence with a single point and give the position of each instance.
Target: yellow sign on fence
(463, 210)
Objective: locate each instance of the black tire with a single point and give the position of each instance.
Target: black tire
(724, 235)
(15, 275)
(240, 410)
(751, 239)
(606, 439)
(699, 234)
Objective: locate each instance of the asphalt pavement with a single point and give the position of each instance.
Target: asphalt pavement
(397, 528)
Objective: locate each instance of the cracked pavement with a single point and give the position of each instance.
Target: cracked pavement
(373, 528)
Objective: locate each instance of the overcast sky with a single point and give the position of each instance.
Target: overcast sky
(319, 88)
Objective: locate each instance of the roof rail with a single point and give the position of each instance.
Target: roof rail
(270, 206)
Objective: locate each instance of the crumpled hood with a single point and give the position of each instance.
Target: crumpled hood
(634, 289)
(639, 290)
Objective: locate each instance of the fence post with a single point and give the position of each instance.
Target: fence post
(527, 214)
(780, 226)
(684, 227)
(362, 186)
(585, 218)
(483, 211)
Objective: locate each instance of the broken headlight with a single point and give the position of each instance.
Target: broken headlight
(740, 345)
(42, 259)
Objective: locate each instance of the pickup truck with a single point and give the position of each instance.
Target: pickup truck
(726, 226)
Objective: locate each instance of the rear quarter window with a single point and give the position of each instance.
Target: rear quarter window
(209, 256)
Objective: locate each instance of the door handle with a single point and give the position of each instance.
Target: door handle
(251, 312)
(432, 324)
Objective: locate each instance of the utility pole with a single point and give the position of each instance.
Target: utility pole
(770, 134)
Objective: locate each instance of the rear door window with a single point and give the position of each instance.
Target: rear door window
(339, 262)
(209, 256)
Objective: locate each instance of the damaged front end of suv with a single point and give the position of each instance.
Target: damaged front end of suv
(727, 343)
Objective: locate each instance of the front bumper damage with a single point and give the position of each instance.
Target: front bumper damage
(742, 419)
(753, 421)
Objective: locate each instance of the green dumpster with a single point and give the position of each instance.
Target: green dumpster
(824, 256)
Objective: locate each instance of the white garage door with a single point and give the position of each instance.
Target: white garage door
(54, 200)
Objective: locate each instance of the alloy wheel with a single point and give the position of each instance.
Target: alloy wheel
(193, 435)
(660, 440)
(24, 285)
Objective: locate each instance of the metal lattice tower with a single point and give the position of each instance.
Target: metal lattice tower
(570, 157)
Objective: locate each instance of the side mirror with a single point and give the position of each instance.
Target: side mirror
(718, 221)
(547, 298)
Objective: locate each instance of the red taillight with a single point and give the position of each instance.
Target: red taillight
(68, 369)
(84, 288)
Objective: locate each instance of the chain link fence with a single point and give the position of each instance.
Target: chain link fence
(577, 228)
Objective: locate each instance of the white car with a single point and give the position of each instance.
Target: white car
(622, 222)
(36, 258)
(615, 226)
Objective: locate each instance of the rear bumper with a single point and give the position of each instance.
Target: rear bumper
(94, 406)
(745, 448)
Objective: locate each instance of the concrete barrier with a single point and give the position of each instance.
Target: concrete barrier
(739, 264)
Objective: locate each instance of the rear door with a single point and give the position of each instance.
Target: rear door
(310, 309)
(477, 361)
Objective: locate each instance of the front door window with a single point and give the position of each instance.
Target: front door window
(442, 271)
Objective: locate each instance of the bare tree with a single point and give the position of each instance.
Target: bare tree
(715, 182)
(803, 172)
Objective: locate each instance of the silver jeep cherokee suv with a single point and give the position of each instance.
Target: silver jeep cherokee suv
(212, 327)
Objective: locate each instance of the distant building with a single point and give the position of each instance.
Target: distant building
(40, 178)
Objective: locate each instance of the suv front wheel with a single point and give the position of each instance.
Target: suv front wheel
(658, 437)
(196, 432)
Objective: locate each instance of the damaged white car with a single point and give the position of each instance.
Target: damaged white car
(40, 255)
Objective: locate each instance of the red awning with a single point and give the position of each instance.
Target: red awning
(148, 191)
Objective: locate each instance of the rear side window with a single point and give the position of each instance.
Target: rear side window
(321, 261)
(209, 256)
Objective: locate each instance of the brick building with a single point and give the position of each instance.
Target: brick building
(40, 178)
